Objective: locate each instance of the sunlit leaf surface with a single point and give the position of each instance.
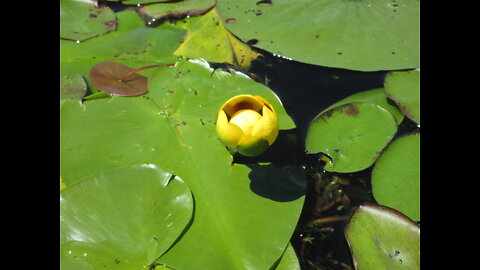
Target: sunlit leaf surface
(382, 238)
(122, 219)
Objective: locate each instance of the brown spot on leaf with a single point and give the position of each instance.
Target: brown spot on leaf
(231, 20)
(351, 110)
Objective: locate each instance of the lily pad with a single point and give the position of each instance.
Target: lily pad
(352, 135)
(143, 2)
(396, 176)
(382, 238)
(118, 79)
(375, 96)
(81, 20)
(72, 88)
(208, 38)
(289, 260)
(403, 87)
(173, 126)
(358, 35)
(177, 9)
(123, 218)
(132, 44)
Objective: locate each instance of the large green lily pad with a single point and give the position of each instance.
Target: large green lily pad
(81, 20)
(396, 176)
(352, 135)
(173, 126)
(358, 35)
(122, 219)
(403, 87)
(382, 238)
(132, 44)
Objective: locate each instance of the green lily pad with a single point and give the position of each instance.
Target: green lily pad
(132, 44)
(403, 87)
(174, 126)
(396, 176)
(81, 20)
(208, 39)
(289, 260)
(375, 96)
(178, 9)
(382, 238)
(122, 219)
(352, 134)
(143, 2)
(72, 88)
(358, 35)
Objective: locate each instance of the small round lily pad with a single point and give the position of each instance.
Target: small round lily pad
(118, 79)
(352, 135)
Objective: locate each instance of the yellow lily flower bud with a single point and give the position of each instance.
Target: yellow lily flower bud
(247, 124)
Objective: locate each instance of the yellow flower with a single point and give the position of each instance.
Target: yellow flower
(247, 124)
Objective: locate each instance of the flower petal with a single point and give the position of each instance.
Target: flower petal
(240, 102)
(267, 126)
(266, 103)
(228, 133)
(250, 146)
(246, 120)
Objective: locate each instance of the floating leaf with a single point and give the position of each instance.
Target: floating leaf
(375, 96)
(143, 2)
(289, 260)
(81, 20)
(132, 44)
(403, 87)
(208, 38)
(117, 79)
(352, 135)
(72, 88)
(382, 238)
(123, 218)
(396, 176)
(358, 35)
(173, 126)
(178, 9)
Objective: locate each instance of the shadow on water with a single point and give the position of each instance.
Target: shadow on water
(305, 90)
(277, 184)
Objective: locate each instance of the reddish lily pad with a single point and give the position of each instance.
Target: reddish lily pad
(118, 79)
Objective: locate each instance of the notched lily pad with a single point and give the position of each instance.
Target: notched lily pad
(118, 79)
(352, 134)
